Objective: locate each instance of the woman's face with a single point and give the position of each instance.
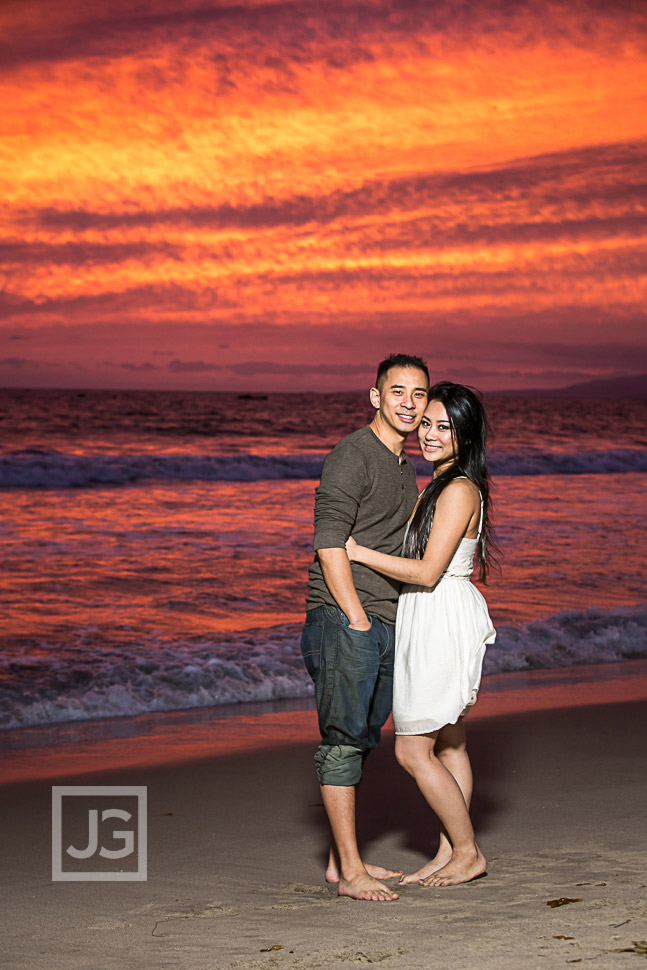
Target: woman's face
(435, 436)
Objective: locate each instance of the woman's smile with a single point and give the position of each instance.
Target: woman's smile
(435, 435)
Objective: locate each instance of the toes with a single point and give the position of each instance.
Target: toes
(386, 897)
(411, 879)
(434, 881)
(376, 893)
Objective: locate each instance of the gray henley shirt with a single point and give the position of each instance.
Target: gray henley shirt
(368, 492)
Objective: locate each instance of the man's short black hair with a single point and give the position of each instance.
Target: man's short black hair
(399, 360)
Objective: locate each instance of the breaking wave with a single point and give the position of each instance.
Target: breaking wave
(36, 468)
(40, 688)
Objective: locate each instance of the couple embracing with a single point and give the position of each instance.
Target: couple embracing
(381, 550)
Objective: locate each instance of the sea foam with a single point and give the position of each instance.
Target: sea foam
(265, 665)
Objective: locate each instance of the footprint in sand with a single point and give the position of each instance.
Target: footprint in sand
(208, 911)
(299, 887)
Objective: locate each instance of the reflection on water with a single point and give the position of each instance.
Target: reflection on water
(65, 751)
(156, 594)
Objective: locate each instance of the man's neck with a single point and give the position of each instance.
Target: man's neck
(387, 435)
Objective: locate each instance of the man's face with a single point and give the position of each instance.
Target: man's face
(402, 398)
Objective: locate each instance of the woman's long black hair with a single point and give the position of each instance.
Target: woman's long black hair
(470, 430)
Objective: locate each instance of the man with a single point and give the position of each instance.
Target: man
(368, 487)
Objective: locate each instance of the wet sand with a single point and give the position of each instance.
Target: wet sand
(236, 847)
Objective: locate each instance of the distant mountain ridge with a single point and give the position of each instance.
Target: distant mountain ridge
(634, 387)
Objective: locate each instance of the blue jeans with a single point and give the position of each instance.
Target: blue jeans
(352, 672)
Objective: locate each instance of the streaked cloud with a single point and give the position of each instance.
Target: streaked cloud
(303, 181)
(15, 362)
(191, 366)
(139, 368)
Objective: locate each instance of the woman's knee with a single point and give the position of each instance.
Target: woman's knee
(402, 756)
(411, 756)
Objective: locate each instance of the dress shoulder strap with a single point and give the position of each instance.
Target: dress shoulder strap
(478, 534)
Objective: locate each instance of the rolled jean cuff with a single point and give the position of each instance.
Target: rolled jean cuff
(339, 765)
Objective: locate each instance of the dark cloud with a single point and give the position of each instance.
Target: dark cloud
(473, 350)
(435, 236)
(79, 253)
(430, 282)
(15, 362)
(577, 357)
(555, 345)
(147, 366)
(338, 32)
(608, 182)
(568, 331)
(195, 366)
(111, 304)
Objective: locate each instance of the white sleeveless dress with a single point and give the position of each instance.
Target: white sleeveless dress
(440, 639)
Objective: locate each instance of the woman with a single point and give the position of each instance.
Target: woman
(442, 625)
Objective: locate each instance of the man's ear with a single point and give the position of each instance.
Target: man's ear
(374, 395)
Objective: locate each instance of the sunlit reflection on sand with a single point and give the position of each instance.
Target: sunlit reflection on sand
(114, 743)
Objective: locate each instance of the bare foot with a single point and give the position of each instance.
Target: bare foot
(364, 886)
(460, 868)
(440, 860)
(378, 872)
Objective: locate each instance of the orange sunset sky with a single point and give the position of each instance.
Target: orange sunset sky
(273, 195)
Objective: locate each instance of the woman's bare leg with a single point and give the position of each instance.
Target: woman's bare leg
(451, 750)
(443, 793)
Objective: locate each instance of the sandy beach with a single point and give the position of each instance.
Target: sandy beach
(236, 848)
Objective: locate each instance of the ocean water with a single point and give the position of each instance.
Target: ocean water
(156, 544)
